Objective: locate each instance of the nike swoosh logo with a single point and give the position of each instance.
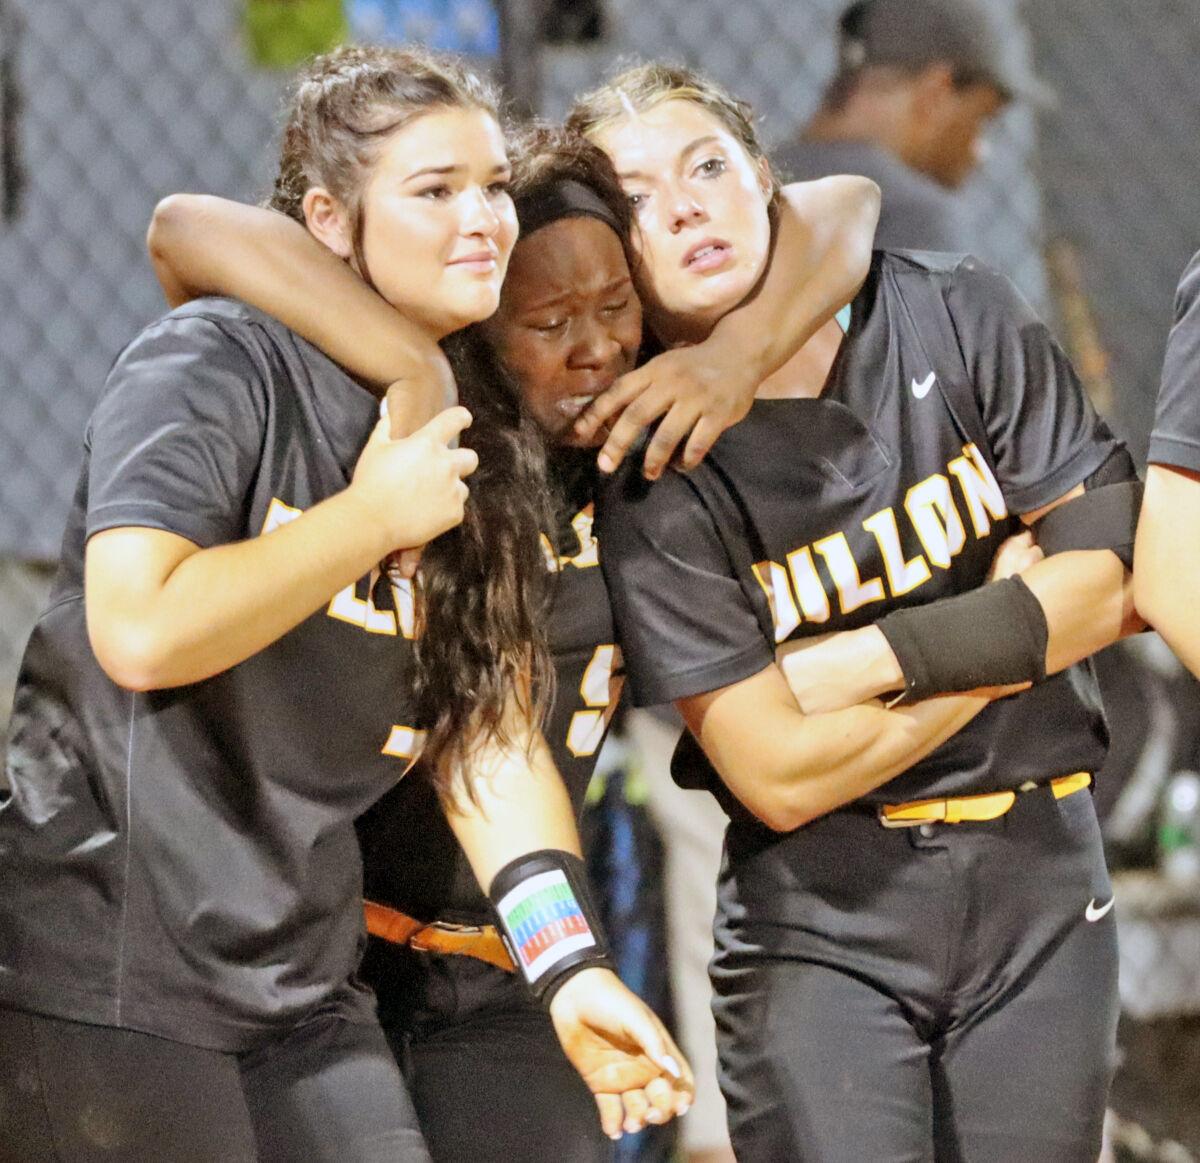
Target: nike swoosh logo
(921, 390)
(1094, 911)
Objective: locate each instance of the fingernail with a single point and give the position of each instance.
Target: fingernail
(605, 462)
(671, 1066)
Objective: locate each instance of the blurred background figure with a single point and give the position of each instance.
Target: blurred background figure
(917, 84)
(1089, 205)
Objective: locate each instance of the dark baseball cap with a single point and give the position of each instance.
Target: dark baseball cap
(961, 33)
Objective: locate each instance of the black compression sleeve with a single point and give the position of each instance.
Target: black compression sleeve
(993, 636)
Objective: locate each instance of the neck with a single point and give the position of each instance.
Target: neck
(680, 330)
(877, 117)
(805, 374)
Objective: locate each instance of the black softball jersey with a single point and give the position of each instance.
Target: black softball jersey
(183, 862)
(949, 411)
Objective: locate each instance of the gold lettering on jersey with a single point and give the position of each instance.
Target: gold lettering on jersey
(600, 689)
(404, 743)
(589, 548)
(347, 605)
(773, 579)
(278, 514)
(930, 508)
(814, 601)
(798, 594)
(853, 592)
(902, 576)
(982, 493)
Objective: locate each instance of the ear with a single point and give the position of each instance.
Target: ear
(932, 86)
(328, 221)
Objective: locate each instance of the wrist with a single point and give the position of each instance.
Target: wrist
(881, 665)
(358, 519)
(548, 920)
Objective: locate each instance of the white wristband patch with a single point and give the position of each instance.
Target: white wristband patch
(545, 922)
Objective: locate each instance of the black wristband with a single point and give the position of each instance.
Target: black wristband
(993, 636)
(548, 920)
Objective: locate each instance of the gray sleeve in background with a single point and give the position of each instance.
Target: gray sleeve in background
(1175, 440)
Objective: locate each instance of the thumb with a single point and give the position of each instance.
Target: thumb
(642, 1027)
(446, 426)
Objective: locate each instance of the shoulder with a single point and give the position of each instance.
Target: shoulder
(1187, 295)
(208, 323)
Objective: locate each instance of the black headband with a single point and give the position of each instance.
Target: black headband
(564, 199)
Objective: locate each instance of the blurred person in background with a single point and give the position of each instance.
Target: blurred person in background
(568, 324)
(1167, 562)
(918, 82)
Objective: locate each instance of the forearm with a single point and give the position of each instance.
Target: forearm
(519, 805)
(1087, 598)
(792, 768)
(821, 255)
(217, 607)
(1167, 560)
(202, 245)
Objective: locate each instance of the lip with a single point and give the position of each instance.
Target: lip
(482, 261)
(574, 406)
(709, 254)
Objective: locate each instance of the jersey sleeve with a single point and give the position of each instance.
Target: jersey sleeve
(684, 623)
(1175, 440)
(1045, 435)
(177, 437)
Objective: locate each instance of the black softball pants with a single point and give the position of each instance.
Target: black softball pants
(327, 1091)
(942, 994)
(485, 1069)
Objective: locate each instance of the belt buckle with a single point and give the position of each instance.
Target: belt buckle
(456, 929)
(907, 823)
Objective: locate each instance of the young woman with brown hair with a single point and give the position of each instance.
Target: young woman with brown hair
(224, 681)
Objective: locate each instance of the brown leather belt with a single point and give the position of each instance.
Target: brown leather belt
(962, 809)
(482, 942)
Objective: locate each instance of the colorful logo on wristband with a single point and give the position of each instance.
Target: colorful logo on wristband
(545, 922)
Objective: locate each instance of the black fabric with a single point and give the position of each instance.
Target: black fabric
(565, 199)
(328, 1092)
(869, 499)
(1175, 440)
(992, 636)
(195, 847)
(1103, 518)
(331, 1092)
(522, 1099)
(887, 994)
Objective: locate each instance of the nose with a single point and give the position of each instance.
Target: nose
(478, 214)
(595, 345)
(684, 209)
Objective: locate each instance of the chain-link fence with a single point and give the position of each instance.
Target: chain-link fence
(110, 104)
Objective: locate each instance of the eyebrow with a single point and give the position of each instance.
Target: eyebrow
(691, 147)
(442, 171)
(563, 296)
